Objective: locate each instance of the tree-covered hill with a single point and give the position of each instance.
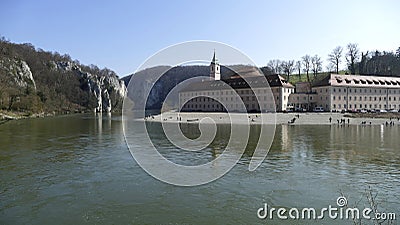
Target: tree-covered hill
(35, 81)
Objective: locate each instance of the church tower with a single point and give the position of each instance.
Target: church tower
(215, 72)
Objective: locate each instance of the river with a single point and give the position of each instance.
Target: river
(78, 170)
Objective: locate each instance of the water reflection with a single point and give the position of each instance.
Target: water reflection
(353, 144)
(77, 169)
(372, 144)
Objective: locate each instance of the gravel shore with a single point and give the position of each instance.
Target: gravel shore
(270, 118)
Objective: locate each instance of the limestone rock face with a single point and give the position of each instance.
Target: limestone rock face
(106, 91)
(106, 88)
(18, 72)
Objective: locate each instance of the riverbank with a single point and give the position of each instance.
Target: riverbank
(6, 116)
(310, 118)
(9, 115)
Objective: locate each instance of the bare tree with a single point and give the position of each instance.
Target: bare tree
(335, 57)
(288, 68)
(298, 68)
(306, 65)
(316, 64)
(352, 56)
(275, 65)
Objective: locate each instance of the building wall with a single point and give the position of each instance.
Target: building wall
(355, 98)
(266, 102)
(303, 101)
(334, 96)
(323, 98)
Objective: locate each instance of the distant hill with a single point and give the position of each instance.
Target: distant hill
(174, 75)
(35, 81)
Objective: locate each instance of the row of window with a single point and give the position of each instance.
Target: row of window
(366, 98)
(364, 90)
(365, 106)
(219, 106)
(243, 98)
(247, 91)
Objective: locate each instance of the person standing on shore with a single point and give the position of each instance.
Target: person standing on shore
(330, 119)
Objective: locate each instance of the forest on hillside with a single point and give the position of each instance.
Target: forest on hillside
(56, 83)
(341, 60)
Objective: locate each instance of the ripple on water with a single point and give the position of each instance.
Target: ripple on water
(82, 172)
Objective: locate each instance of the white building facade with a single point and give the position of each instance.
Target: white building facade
(355, 92)
(216, 95)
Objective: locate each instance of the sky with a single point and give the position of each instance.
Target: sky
(121, 35)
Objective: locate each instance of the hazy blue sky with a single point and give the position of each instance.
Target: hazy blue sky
(120, 35)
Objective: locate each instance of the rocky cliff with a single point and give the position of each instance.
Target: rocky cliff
(33, 81)
(106, 87)
(18, 73)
